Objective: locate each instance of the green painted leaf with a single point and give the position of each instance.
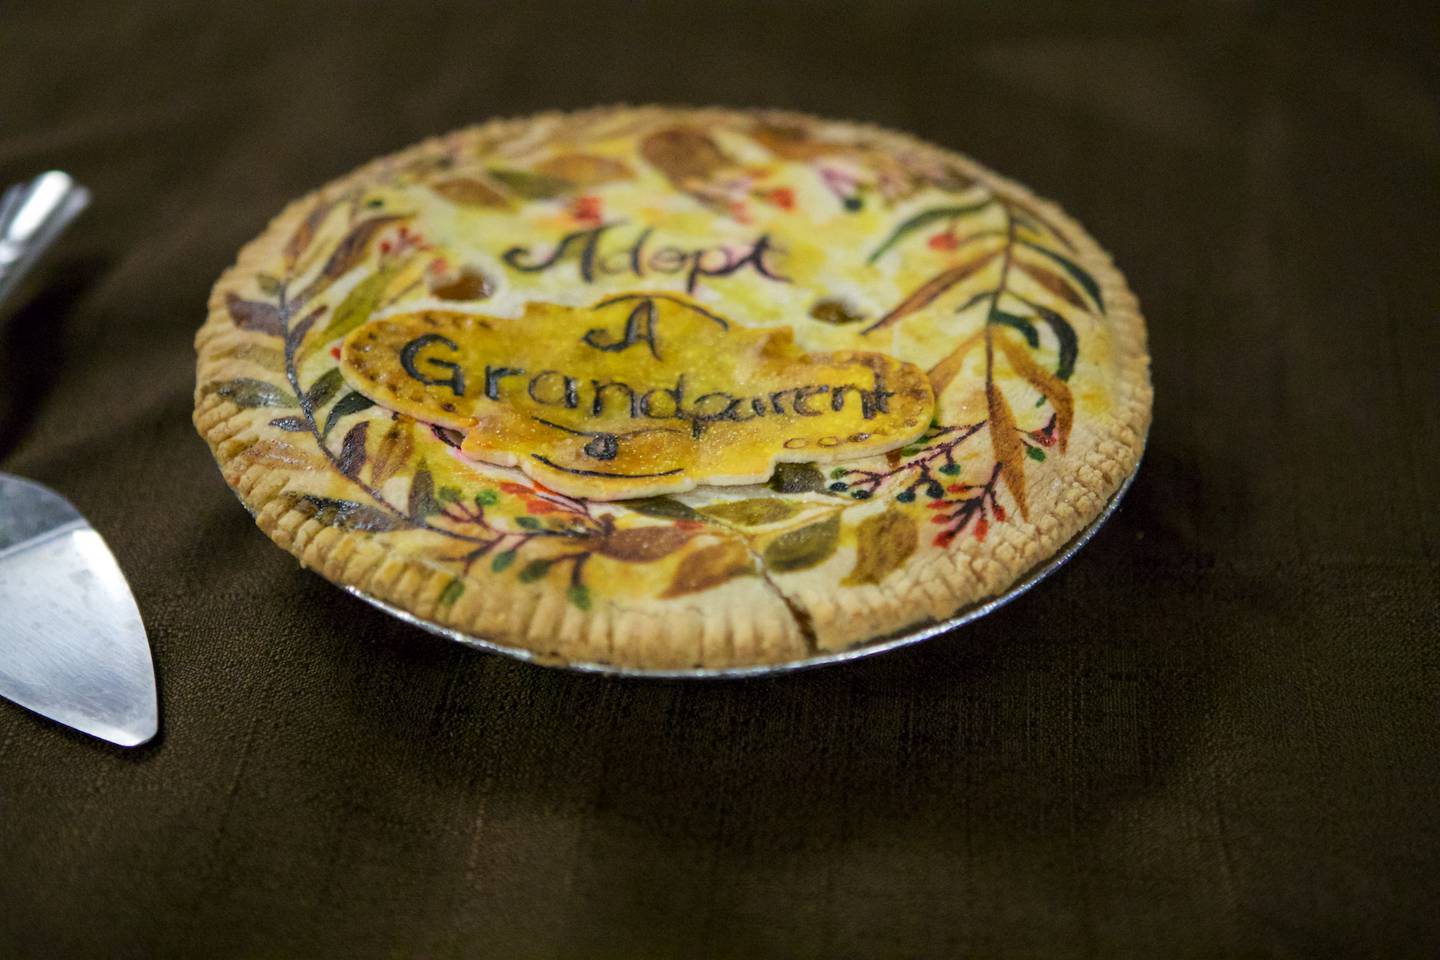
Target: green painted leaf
(502, 561)
(487, 498)
(356, 308)
(805, 547)
(1035, 453)
(755, 512)
(797, 478)
(421, 503)
(324, 388)
(1081, 275)
(1032, 336)
(248, 392)
(530, 186)
(448, 494)
(527, 523)
(534, 570)
(452, 592)
(579, 594)
(922, 220)
(269, 284)
(1069, 344)
(352, 402)
(663, 507)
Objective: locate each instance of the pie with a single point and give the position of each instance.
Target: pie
(660, 389)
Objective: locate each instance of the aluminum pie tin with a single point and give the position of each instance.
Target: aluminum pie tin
(904, 638)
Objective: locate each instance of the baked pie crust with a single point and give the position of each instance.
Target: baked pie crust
(665, 388)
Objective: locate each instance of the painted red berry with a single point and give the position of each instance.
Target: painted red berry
(981, 528)
(944, 241)
(783, 197)
(335, 351)
(999, 513)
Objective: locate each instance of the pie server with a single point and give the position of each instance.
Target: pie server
(72, 645)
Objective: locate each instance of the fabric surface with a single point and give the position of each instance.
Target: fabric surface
(1216, 733)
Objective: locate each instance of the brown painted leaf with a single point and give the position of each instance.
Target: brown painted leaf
(932, 289)
(352, 249)
(642, 544)
(470, 192)
(348, 514)
(584, 169)
(709, 567)
(352, 450)
(254, 315)
(1053, 282)
(300, 239)
(683, 153)
(804, 547)
(1054, 389)
(278, 453)
(1005, 441)
(752, 513)
(883, 543)
(946, 370)
(395, 449)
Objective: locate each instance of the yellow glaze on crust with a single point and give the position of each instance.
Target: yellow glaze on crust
(755, 254)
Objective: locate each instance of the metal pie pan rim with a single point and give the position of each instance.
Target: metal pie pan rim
(902, 638)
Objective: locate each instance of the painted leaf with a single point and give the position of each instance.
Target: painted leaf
(946, 370)
(1023, 324)
(1081, 276)
(530, 186)
(299, 241)
(1005, 441)
(924, 219)
(579, 595)
(470, 192)
(290, 424)
(683, 154)
(280, 454)
(268, 283)
(534, 570)
(260, 354)
(356, 308)
(1053, 283)
(452, 592)
(502, 561)
(584, 169)
(422, 503)
(352, 402)
(883, 543)
(352, 450)
(805, 547)
(254, 315)
(350, 251)
(797, 478)
(297, 332)
(932, 289)
(1054, 389)
(754, 512)
(394, 451)
(642, 544)
(1068, 343)
(709, 567)
(247, 392)
(348, 514)
(662, 507)
(323, 390)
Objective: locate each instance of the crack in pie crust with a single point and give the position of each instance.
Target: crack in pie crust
(667, 388)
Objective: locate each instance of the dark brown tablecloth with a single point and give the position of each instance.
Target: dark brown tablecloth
(1216, 733)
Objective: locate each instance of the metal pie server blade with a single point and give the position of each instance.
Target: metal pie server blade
(72, 645)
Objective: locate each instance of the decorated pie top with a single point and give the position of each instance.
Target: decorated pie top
(669, 388)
